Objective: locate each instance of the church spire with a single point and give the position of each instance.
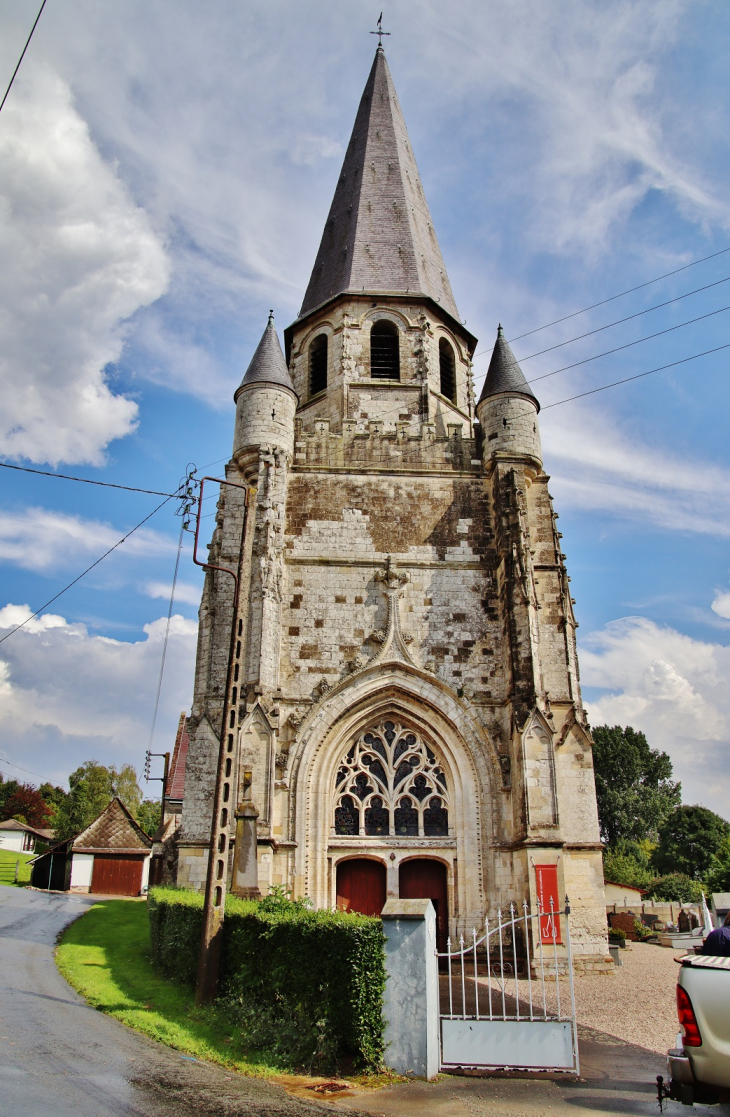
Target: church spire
(379, 237)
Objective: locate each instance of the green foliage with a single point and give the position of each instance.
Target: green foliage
(628, 864)
(92, 787)
(7, 788)
(677, 888)
(8, 860)
(306, 985)
(642, 931)
(718, 873)
(54, 797)
(689, 838)
(634, 788)
(617, 933)
(149, 814)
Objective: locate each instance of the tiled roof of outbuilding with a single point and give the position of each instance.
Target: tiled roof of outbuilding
(13, 824)
(379, 236)
(504, 376)
(268, 364)
(114, 829)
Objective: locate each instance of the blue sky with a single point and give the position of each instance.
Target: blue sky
(166, 171)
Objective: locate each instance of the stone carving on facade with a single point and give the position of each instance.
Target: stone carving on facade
(349, 365)
(421, 350)
(505, 767)
(322, 688)
(394, 642)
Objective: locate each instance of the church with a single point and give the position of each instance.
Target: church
(387, 699)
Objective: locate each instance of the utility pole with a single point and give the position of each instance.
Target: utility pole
(224, 798)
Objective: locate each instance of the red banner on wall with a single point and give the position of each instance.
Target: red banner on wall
(546, 878)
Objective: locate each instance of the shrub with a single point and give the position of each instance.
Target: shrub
(306, 984)
(677, 888)
(617, 933)
(642, 931)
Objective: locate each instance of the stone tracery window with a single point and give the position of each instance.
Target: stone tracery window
(391, 784)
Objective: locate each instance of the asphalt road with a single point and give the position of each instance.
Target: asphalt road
(61, 1058)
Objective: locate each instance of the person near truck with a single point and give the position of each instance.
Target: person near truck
(718, 941)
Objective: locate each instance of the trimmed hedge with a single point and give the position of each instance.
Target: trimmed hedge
(306, 984)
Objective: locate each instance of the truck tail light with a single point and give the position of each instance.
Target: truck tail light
(687, 1019)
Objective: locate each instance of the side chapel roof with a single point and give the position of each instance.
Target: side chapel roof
(176, 778)
(379, 235)
(268, 364)
(504, 376)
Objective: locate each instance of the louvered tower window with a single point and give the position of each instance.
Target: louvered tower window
(318, 365)
(447, 368)
(384, 355)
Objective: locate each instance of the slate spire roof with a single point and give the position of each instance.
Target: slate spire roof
(268, 364)
(379, 236)
(504, 376)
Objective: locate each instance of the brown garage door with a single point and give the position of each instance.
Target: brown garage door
(116, 874)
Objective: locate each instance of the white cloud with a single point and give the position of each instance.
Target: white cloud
(41, 540)
(721, 604)
(672, 687)
(67, 696)
(594, 465)
(77, 258)
(185, 592)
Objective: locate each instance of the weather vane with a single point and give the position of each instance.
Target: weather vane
(380, 31)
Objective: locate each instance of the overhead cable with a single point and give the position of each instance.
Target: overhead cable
(638, 376)
(167, 636)
(22, 56)
(620, 295)
(85, 572)
(84, 480)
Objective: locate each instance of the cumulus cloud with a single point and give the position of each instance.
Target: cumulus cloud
(41, 540)
(67, 696)
(77, 258)
(185, 592)
(721, 604)
(672, 687)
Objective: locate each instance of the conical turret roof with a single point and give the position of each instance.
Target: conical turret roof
(379, 236)
(268, 364)
(504, 376)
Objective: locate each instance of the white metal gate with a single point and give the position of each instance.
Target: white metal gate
(507, 998)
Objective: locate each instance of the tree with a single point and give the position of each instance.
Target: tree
(53, 796)
(689, 838)
(634, 788)
(149, 815)
(677, 887)
(7, 788)
(92, 786)
(27, 805)
(624, 867)
(718, 874)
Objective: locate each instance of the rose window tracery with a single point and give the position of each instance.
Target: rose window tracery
(391, 783)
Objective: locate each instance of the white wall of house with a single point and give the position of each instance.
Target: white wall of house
(146, 872)
(12, 839)
(82, 866)
(621, 894)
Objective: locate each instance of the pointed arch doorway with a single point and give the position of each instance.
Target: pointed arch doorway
(424, 878)
(361, 885)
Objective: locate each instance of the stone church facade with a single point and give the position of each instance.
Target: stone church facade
(400, 699)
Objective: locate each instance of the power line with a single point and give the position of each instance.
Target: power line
(629, 344)
(628, 318)
(167, 636)
(620, 295)
(22, 56)
(85, 572)
(20, 768)
(638, 376)
(84, 480)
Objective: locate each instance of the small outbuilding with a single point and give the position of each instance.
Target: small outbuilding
(111, 856)
(21, 838)
(622, 895)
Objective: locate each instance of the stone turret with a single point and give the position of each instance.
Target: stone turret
(265, 405)
(507, 409)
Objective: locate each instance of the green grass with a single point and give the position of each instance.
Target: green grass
(8, 861)
(105, 955)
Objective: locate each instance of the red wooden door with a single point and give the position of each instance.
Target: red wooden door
(361, 886)
(421, 878)
(116, 874)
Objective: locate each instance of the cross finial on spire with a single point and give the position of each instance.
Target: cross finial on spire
(271, 316)
(380, 31)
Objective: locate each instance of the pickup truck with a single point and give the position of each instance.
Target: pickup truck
(699, 1066)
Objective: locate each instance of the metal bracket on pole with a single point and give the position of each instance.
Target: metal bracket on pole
(216, 880)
